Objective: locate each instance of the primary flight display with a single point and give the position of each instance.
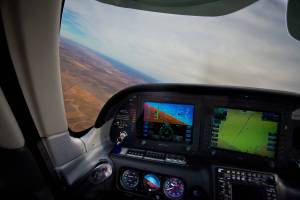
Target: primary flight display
(168, 122)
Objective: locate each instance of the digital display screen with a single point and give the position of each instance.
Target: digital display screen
(168, 122)
(245, 131)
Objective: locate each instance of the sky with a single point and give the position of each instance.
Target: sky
(250, 47)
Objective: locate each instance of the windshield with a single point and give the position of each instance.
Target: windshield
(104, 49)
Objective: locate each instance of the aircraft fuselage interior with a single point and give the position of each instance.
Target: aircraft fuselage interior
(158, 141)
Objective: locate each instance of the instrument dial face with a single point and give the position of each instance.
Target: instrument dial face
(174, 188)
(151, 182)
(129, 179)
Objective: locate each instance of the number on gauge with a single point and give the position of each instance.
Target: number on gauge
(173, 188)
(129, 179)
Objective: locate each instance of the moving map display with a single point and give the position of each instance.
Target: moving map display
(168, 122)
(245, 131)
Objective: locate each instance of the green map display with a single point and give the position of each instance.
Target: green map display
(245, 131)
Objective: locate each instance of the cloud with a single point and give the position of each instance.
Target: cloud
(250, 47)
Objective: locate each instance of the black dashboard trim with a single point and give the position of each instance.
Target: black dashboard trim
(275, 95)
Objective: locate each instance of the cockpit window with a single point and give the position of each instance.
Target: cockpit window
(104, 49)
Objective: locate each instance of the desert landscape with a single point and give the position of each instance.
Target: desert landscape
(88, 82)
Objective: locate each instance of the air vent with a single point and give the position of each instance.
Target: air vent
(135, 153)
(151, 155)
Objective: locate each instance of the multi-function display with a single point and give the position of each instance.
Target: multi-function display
(245, 131)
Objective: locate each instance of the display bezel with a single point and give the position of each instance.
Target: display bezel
(193, 122)
(241, 152)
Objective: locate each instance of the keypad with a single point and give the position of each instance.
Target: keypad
(225, 177)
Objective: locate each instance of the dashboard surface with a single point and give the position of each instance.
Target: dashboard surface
(200, 142)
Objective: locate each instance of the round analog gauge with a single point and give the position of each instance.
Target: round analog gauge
(151, 182)
(129, 179)
(173, 188)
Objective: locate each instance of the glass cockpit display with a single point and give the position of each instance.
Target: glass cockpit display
(245, 131)
(168, 122)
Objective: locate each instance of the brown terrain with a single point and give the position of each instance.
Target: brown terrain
(88, 82)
